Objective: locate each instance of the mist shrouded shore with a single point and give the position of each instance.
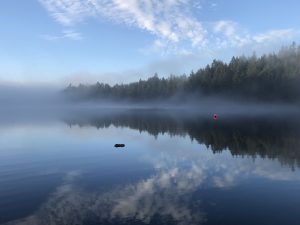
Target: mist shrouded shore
(244, 85)
(269, 78)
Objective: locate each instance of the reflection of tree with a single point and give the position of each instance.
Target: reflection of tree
(152, 122)
(171, 195)
(266, 137)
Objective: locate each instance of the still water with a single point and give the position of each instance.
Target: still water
(175, 169)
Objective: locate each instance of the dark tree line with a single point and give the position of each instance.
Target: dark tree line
(272, 77)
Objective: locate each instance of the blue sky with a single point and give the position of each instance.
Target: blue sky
(62, 41)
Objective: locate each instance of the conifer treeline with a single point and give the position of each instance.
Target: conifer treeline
(272, 77)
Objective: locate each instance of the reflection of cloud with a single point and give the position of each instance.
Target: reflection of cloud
(166, 195)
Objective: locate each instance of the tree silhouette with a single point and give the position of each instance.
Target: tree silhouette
(272, 77)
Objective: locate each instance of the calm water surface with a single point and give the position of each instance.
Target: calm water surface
(175, 169)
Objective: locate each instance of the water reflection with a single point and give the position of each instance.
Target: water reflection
(183, 171)
(167, 197)
(274, 137)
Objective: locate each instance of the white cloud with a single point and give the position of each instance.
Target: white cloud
(268, 41)
(275, 35)
(168, 19)
(68, 12)
(72, 35)
(173, 23)
(228, 28)
(66, 34)
(214, 5)
(228, 34)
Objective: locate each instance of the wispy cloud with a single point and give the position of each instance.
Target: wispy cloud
(228, 28)
(229, 34)
(169, 20)
(214, 5)
(275, 35)
(66, 34)
(173, 23)
(68, 12)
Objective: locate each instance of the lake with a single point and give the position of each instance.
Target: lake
(176, 168)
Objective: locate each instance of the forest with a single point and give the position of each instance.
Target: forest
(273, 77)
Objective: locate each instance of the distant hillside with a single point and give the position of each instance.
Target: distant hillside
(272, 77)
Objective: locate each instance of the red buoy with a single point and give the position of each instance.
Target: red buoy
(215, 116)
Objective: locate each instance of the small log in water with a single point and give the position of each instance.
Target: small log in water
(119, 145)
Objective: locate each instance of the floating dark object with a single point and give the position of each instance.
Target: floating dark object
(215, 116)
(119, 145)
